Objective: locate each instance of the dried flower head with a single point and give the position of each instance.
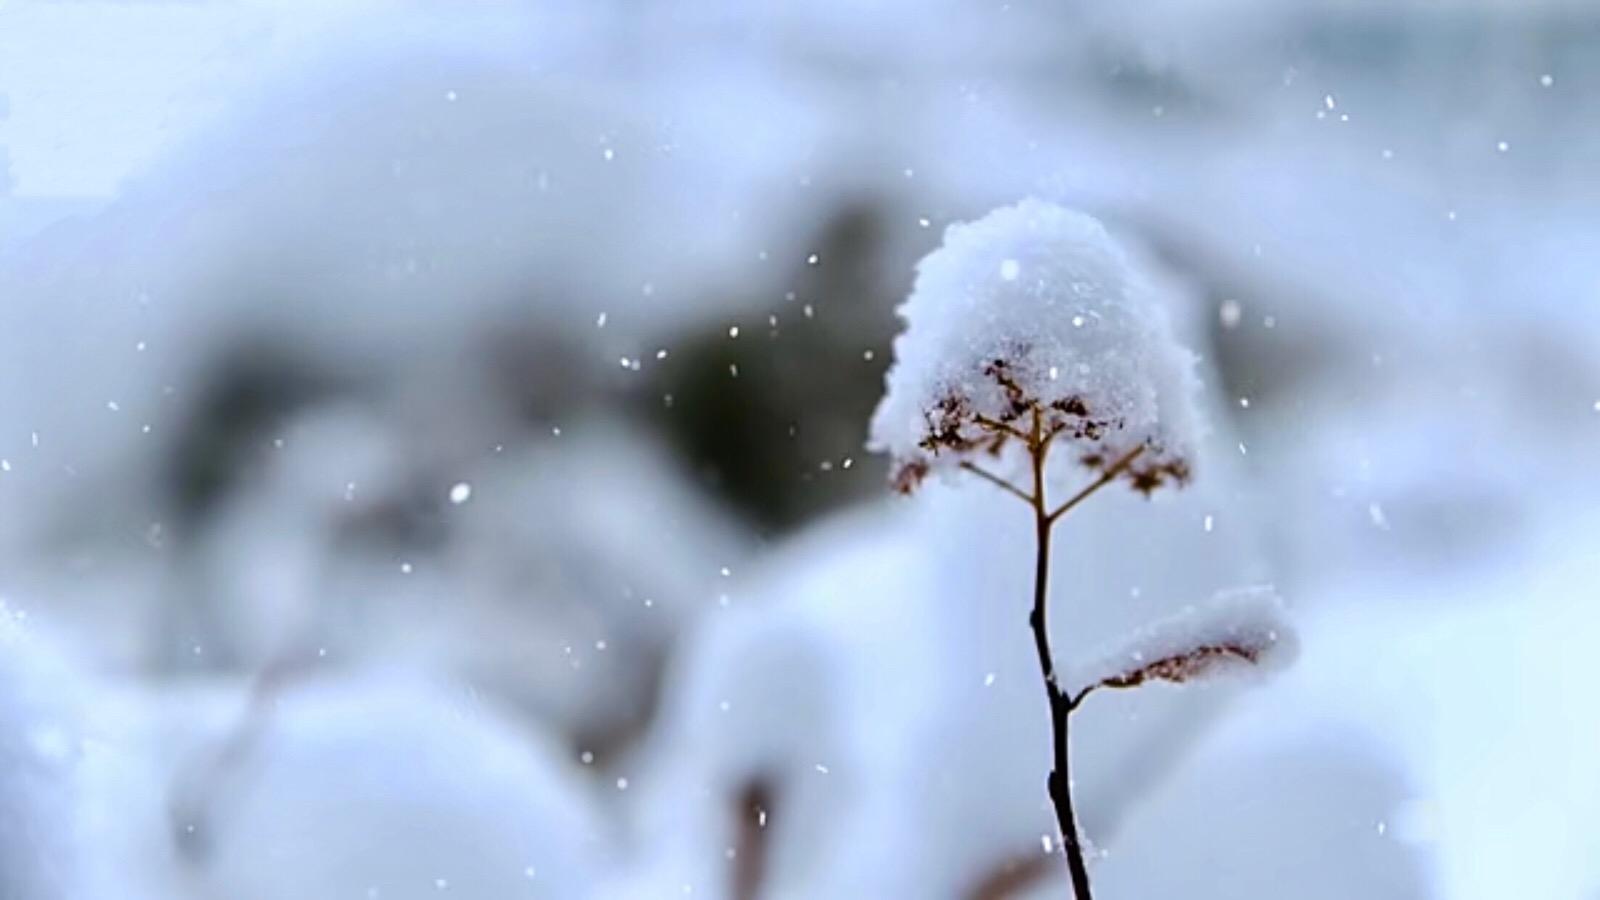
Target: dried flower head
(1034, 310)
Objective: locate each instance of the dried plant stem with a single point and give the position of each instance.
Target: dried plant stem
(1059, 782)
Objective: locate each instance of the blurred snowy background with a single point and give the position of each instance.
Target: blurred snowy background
(431, 449)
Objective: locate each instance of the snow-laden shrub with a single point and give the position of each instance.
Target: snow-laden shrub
(1030, 330)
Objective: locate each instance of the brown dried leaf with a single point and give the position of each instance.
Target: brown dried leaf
(1186, 666)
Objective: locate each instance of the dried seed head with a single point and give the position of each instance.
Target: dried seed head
(1034, 311)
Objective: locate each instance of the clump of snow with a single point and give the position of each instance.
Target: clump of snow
(1239, 629)
(387, 787)
(376, 784)
(39, 745)
(1036, 308)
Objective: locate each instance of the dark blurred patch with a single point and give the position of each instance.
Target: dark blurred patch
(1138, 86)
(1254, 357)
(775, 419)
(1013, 877)
(750, 811)
(250, 390)
(543, 373)
(612, 738)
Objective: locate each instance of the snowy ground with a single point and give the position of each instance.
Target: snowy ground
(432, 450)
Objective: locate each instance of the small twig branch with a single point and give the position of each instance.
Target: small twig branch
(989, 424)
(997, 481)
(191, 801)
(1076, 700)
(1110, 475)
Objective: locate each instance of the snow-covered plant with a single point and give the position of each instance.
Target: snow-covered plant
(1030, 330)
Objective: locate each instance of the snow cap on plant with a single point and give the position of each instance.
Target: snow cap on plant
(1034, 310)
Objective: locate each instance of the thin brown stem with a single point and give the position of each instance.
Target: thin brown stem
(996, 427)
(1059, 782)
(997, 481)
(1076, 700)
(1110, 475)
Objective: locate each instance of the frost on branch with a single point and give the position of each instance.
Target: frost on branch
(1034, 309)
(1235, 631)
